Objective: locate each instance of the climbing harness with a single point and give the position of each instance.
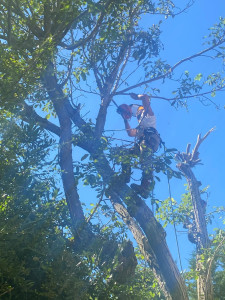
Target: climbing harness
(150, 137)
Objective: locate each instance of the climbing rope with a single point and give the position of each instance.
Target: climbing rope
(174, 224)
(173, 218)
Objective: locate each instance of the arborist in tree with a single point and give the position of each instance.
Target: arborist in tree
(147, 139)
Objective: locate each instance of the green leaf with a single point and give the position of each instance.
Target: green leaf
(198, 77)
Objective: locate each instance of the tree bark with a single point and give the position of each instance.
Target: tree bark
(65, 151)
(204, 281)
(199, 226)
(142, 242)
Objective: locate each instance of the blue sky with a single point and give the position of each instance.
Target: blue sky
(182, 36)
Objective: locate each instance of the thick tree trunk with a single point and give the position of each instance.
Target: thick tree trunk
(157, 239)
(142, 242)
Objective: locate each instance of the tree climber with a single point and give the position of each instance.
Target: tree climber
(147, 139)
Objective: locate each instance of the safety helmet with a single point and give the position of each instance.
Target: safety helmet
(136, 109)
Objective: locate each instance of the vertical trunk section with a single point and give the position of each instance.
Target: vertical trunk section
(204, 281)
(142, 242)
(65, 151)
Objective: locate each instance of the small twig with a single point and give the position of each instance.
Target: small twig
(70, 64)
(96, 207)
(6, 292)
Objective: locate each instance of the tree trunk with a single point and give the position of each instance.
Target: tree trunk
(204, 281)
(142, 242)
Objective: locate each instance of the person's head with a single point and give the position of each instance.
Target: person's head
(125, 111)
(128, 111)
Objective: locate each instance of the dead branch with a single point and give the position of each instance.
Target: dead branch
(192, 159)
(198, 143)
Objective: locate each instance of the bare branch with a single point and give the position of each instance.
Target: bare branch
(188, 148)
(199, 141)
(192, 159)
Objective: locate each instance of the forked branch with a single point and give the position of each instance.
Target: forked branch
(192, 158)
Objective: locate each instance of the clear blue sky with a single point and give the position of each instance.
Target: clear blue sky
(182, 37)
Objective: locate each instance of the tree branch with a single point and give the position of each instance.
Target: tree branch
(107, 97)
(65, 150)
(121, 71)
(29, 113)
(198, 143)
(82, 42)
(178, 98)
(37, 31)
(171, 69)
